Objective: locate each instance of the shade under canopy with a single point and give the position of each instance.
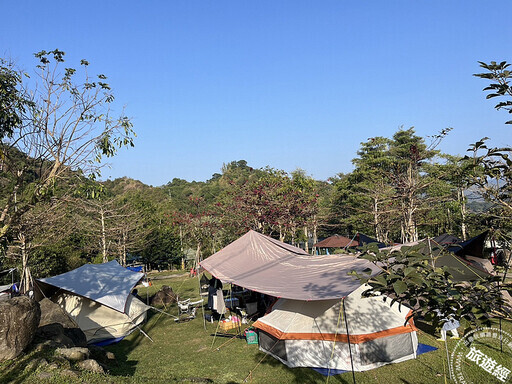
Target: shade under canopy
(260, 263)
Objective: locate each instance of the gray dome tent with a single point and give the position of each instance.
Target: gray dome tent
(98, 297)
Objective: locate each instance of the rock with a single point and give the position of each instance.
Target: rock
(45, 345)
(165, 296)
(99, 354)
(53, 366)
(57, 325)
(69, 373)
(19, 318)
(74, 354)
(77, 336)
(53, 313)
(91, 366)
(44, 375)
(54, 332)
(36, 363)
(111, 356)
(61, 361)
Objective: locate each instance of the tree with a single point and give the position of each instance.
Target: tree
(62, 128)
(367, 192)
(494, 178)
(409, 153)
(413, 277)
(501, 85)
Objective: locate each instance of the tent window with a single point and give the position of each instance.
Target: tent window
(386, 349)
(272, 344)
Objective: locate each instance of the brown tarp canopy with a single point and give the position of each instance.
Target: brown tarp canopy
(260, 263)
(336, 241)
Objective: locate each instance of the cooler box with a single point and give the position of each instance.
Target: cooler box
(227, 325)
(232, 303)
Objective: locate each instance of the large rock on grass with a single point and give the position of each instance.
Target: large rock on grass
(164, 297)
(57, 325)
(19, 318)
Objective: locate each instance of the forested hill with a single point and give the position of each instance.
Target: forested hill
(159, 226)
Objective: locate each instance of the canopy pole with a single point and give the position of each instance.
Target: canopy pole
(202, 305)
(334, 344)
(348, 338)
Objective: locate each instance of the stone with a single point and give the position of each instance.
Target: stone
(19, 318)
(74, 353)
(61, 361)
(54, 332)
(164, 296)
(57, 325)
(44, 375)
(101, 355)
(91, 366)
(69, 373)
(53, 313)
(36, 363)
(45, 345)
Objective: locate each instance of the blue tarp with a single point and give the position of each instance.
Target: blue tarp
(135, 269)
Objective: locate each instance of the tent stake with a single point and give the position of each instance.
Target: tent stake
(348, 338)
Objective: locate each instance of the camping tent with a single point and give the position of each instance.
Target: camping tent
(262, 264)
(320, 306)
(97, 296)
(314, 334)
(460, 268)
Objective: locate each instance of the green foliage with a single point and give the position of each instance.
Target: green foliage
(418, 277)
(494, 180)
(500, 87)
(13, 102)
(162, 249)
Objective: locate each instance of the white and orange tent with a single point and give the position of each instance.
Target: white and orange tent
(321, 319)
(351, 333)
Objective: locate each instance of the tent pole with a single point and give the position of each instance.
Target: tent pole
(348, 338)
(501, 333)
(202, 304)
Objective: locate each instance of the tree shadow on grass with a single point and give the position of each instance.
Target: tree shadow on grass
(122, 350)
(301, 375)
(17, 370)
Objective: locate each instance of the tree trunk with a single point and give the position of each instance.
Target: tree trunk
(103, 236)
(123, 254)
(315, 234)
(306, 235)
(26, 278)
(463, 212)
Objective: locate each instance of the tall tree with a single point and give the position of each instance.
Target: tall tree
(410, 155)
(66, 128)
(367, 193)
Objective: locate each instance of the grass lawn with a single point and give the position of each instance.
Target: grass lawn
(188, 353)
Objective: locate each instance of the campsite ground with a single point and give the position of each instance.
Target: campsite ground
(188, 352)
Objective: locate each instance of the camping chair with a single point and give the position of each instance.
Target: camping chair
(187, 309)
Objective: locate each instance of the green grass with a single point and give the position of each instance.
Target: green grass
(183, 352)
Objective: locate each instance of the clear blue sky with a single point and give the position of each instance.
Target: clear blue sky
(288, 84)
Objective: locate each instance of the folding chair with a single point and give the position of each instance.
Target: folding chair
(187, 309)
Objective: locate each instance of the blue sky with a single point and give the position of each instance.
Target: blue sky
(288, 84)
